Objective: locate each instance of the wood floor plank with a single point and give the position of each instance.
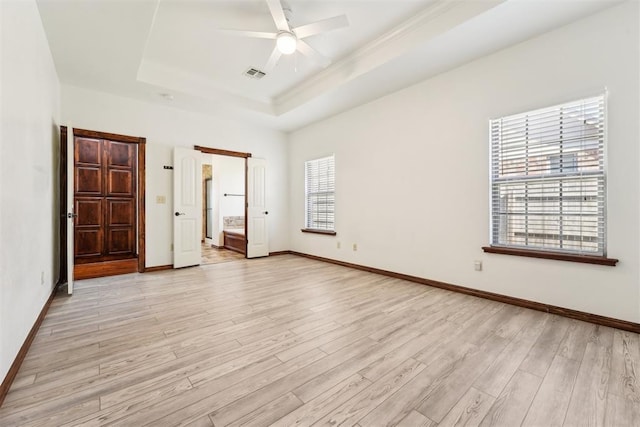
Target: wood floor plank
(201, 422)
(409, 397)
(575, 341)
(416, 419)
(384, 364)
(71, 413)
(291, 341)
(107, 414)
(496, 377)
(69, 393)
(270, 412)
(544, 350)
(621, 412)
(453, 385)
(356, 408)
(514, 324)
(52, 380)
(625, 375)
(291, 381)
(331, 377)
(316, 408)
(512, 405)
(549, 407)
(489, 327)
(200, 401)
(469, 410)
(22, 381)
(588, 400)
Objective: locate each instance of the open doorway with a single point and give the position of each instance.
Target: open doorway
(223, 214)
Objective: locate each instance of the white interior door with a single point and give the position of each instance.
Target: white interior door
(257, 230)
(187, 207)
(70, 208)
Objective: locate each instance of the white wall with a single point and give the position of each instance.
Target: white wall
(412, 169)
(29, 144)
(166, 127)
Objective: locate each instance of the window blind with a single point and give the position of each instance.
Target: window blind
(320, 194)
(548, 178)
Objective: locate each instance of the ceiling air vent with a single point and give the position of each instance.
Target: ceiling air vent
(254, 73)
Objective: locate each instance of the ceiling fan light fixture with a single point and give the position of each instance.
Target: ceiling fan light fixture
(286, 42)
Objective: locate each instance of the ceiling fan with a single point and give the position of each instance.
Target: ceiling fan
(289, 40)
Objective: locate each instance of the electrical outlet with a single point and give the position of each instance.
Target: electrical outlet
(161, 200)
(355, 246)
(42, 277)
(338, 245)
(477, 265)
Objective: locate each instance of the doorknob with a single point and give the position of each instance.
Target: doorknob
(266, 212)
(179, 213)
(72, 215)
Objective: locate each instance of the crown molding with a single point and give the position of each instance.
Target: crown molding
(436, 19)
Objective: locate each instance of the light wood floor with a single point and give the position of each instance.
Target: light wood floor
(291, 341)
(211, 255)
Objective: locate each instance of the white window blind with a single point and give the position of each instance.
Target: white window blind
(320, 194)
(548, 179)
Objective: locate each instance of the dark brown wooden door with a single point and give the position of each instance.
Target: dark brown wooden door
(105, 200)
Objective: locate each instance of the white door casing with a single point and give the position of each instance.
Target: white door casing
(187, 207)
(257, 230)
(70, 208)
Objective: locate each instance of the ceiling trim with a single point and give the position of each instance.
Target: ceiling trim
(178, 80)
(438, 18)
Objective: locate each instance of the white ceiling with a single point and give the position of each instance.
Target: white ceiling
(145, 48)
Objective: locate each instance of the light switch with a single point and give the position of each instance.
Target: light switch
(161, 200)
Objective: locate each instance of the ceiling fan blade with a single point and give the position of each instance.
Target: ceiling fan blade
(313, 54)
(321, 26)
(254, 34)
(275, 7)
(273, 60)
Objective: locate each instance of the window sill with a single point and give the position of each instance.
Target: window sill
(325, 232)
(587, 259)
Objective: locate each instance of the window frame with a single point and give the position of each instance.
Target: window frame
(495, 186)
(308, 226)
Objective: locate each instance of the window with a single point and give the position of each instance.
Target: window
(548, 179)
(319, 178)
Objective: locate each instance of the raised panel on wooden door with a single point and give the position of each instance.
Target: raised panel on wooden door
(88, 180)
(188, 231)
(120, 154)
(120, 241)
(89, 234)
(89, 243)
(88, 151)
(120, 227)
(90, 212)
(120, 164)
(120, 183)
(120, 212)
(188, 200)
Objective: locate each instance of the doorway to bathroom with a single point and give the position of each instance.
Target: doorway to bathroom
(223, 215)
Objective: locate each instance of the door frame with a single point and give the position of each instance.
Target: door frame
(141, 190)
(229, 153)
(62, 259)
